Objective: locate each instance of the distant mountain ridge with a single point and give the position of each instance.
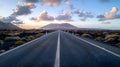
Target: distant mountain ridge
(55, 26)
(8, 26)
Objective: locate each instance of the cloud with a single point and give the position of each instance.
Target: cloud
(45, 2)
(112, 14)
(117, 16)
(86, 14)
(106, 23)
(104, 0)
(76, 12)
(23, 9)
(83, 19)
(43, 16)
(83, 15)
(1, 17)
(67, 2)
(11, 19)
(51, 2)
(65, 16)
(17, 22)
(100, 16)
(32, 1)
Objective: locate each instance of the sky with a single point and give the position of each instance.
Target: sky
(29, 14)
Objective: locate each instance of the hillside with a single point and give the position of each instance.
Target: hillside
(55, 26)
(7, 26)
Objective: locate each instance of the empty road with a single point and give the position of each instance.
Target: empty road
(61, 49)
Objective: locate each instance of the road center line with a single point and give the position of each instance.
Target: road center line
(113, 53)
(57, 58)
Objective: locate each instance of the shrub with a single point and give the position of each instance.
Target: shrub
(31, 38)
(118, 44)
(1, 42)
(1, 51)
(19, 42)
(99, 38)
(112, 37)
(105, 33)
(119, 39)
(23, 39)
(12, 38)
(86, 35)
(39, 35)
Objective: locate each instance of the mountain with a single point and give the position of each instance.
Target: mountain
(7, 26)
(55, 26)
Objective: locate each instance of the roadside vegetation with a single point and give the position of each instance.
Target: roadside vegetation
(110, 37)
(10, 39)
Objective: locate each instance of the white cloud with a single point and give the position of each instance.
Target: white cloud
(106, 23)
(32, 1)
(11, 19)
(43, 16)
(51, 2)
(67, 2)
(111, 14)
(83, 14)
(65, 16)
(23, 9)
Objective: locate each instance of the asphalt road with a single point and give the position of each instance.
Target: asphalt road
(61, 49)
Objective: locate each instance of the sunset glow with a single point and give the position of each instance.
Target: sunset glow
(37, 13)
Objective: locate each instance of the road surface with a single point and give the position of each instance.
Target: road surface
(61, 49)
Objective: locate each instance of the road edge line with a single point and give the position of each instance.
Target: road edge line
(113, 53)
(18, 47)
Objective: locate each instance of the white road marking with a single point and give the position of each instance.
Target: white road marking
(113, 53)
(57, 58)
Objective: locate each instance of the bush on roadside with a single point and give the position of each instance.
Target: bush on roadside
(112, 38)
(99, 38)
(19, 42)
(12, 38)
(86, 35)
(39, 35)
(1, 42)
(31, 38)
(1, 51)
(118, 44)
